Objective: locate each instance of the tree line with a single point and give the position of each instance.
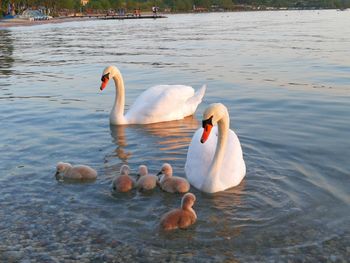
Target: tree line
(170, 5)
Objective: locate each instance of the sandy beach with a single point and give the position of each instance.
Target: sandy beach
(7, 23)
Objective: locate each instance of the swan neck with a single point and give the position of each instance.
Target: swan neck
(117, 113)
(191, 210)
(223, 128)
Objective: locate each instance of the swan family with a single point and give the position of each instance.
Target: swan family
(214, 161)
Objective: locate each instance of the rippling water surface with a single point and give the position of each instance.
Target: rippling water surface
(285, 78)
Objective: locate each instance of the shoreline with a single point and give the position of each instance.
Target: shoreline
(16, 22)
(8, 23)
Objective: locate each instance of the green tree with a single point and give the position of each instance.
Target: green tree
(183, 5)
(226, 4)
(130, 5)
(105, 4)
(202, 3)
(65, 4)
(116, 3)
(94, 4)
(169, 3)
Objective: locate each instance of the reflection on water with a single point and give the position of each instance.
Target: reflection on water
(166, 140)
(6, 51)
(171, 135)
(284, 77)
(118, 134)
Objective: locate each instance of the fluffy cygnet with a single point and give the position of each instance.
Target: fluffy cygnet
(145, 181)
(77, 172)
(170, 183)
(123, 182)
(181, 217)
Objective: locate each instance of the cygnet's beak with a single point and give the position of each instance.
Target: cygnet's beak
(57, 175)
(158, 178)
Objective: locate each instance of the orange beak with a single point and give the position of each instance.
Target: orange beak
(206, 132)
(104, 83)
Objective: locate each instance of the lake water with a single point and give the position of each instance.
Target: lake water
(285, 78)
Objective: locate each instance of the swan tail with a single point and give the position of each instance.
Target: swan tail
(200, 93)
(193, 102)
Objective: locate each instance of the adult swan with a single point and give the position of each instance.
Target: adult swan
(156, 104)
(214, 158)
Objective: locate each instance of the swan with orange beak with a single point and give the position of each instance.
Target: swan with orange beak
(214, 160)
(157, 104)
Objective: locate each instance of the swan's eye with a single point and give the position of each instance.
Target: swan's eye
(105, 77)
(207, 122)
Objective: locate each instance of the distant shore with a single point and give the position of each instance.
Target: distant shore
(6, 23)
(15, 22)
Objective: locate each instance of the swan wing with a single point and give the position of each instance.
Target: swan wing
(161, 103)
(193, 102)
(233, 170)
(200, 157)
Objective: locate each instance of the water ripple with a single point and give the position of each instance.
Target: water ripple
(285, 83)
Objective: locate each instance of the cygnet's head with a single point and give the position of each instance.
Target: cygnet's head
(165, 172)
(188, 200)
(61, 167)
(125, 169)
(167, 169)
(142, 170)
(108, 73)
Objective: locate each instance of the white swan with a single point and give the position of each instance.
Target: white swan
(214, 159)
(156, 104)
